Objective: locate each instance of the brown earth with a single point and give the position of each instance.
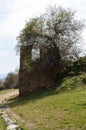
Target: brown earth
(8, 95)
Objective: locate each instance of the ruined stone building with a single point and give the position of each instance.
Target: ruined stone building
(38, 68)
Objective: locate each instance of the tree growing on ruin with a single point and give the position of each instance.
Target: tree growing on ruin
(56, 28)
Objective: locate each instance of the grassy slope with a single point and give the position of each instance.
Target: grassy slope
(48, 109)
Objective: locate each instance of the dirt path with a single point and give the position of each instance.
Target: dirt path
(28, 124)
(8, 95)
(12, 113)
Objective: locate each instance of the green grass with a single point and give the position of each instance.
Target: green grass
(5, 91)
(2, 124)
(70, 83)
(55, 108)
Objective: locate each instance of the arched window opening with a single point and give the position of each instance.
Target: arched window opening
(35, 54)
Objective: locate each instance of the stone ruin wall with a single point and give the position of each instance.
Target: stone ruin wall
(32, 75)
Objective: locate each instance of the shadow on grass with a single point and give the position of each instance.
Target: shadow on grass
(83, 105)
(36, 95)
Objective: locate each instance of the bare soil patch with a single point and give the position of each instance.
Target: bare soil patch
(8, 95)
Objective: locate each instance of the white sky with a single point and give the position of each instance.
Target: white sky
(14, 13)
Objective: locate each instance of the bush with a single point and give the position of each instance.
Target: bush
(76, 67)
(11, 80)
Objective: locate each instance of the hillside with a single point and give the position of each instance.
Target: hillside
(57, 108)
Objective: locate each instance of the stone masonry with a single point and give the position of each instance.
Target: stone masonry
(36, 74)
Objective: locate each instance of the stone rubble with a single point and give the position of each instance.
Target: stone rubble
(13, 127)
(11, 124)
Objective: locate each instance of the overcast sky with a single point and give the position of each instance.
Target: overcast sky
(14, 13)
